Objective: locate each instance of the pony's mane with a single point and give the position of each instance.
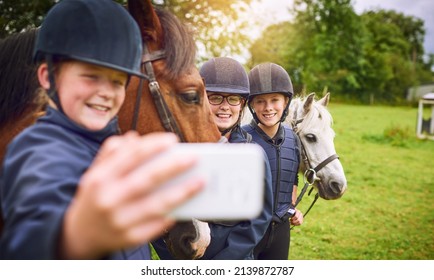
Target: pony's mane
(179, 45)
(18, 81)
(317, 111)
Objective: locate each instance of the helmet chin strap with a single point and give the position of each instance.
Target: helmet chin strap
(52, 92)
(224, 132)
(255, 117)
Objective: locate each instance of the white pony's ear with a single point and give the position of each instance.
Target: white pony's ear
(325, 100)
(308, 102)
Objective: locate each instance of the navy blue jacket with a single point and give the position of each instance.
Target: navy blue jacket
(40, 175)
(235, 240)
(283, 156)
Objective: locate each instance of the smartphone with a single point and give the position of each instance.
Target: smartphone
(234, 175)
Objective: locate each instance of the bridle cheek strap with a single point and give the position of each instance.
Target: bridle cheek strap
(168, 121)
(310, 174)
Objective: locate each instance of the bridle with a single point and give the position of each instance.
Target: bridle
(309, 176)
(166, 117)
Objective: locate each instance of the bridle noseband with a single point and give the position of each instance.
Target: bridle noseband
(168, 121)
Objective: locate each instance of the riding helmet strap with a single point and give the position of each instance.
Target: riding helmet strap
(52, 92)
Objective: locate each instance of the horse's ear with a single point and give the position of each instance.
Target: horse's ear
(146, 17)
(308, 102)
(325, 100)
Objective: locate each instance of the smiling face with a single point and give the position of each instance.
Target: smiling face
(90, 95)
(225, 114)
(269, 109)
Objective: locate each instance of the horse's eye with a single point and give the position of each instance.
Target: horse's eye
(310, 137)
(189, 97)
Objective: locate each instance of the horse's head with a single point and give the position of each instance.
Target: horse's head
(173, 98)
(312, 122)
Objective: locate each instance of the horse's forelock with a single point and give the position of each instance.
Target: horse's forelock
(317, 111)
(179, 44)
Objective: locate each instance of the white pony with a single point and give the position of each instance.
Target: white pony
(320, 164)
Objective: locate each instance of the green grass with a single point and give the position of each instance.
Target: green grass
(388, 209)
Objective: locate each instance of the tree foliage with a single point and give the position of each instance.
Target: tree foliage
(219, 30)
(18, 15)
(377, 54)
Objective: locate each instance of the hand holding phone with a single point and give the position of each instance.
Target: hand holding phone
(234, 175)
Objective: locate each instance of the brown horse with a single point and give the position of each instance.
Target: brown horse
(169, 64)
(20, 103)
(172, 98)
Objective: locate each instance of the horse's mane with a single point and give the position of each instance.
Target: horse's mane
(179, 45)
(18, 81)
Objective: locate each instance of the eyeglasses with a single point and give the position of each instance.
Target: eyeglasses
(217, 99)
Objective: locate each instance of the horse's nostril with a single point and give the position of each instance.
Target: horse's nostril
(336, 187)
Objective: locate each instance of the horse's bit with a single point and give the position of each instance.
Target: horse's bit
(166, 117)
(309, 176)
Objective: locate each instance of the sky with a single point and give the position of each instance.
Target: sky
(273, 11)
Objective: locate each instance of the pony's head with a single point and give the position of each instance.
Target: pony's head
(313, 124)
(173, 98)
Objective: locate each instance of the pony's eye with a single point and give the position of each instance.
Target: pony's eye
(189, 97)
(310, 137)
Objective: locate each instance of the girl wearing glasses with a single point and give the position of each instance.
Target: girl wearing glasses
(227, 87)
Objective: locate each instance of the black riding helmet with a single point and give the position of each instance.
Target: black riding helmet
(226, 75)
(100, 32)
(269, 78)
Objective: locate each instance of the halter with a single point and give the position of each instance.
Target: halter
(309, 176)
(166, 117)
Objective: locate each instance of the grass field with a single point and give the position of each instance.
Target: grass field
(388, 209)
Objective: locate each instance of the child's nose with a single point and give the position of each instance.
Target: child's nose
(107, 89)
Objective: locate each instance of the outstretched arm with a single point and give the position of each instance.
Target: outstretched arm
(118, 203)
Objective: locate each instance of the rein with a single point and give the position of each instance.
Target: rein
(166, 117)
(309, 176)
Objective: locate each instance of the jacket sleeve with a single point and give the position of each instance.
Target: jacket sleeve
(37, 184)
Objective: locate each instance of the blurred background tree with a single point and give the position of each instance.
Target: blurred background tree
(374, 56)
(219, 32)
(219, 29)
(18, 15)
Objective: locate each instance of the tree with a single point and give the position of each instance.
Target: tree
(321, 46)
(18, 15)
(278, 44)
(219, 30)
(394, 54)
(333, 34)
(378, 54)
